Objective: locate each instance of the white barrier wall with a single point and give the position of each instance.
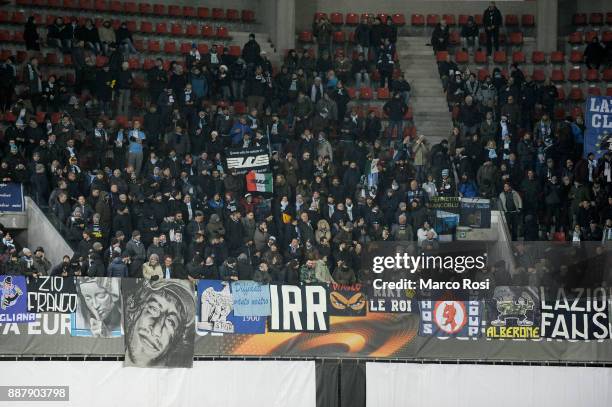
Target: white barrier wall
(208, 383)
(428, 385)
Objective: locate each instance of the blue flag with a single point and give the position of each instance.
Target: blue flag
(598, 134)
(251, 299)
(14, 300)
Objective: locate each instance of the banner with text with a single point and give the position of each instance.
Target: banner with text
(598, 122)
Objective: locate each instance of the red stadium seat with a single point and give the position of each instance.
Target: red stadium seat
(463, 19)
(576, 95)
(454, 38)
(203, 12)
(499, 57)
(71, 4)
(134, 63)
(175, 11)
(101, 60)
(606, 36)
(557, 75)
(450, 19)
(153, 46)
(579, 19)
(51, 59)
(576, 57)
(511, 20)
(409, 114)
(146, 27)
(192, 30)
(577, 111)
(148, 64)
(609, 92)
(185, 47)
(18, 36)
(176, 29)
(305, 36)
(432, 20)
(145, 8)
(516, 38)
(130, 7)
(482, 74)
(222, 32)
(4, 16)
(538, 57)
(218, 14)
(518, 57)
(575, 75)
(575, 38)
(320, 14)
(383, 17)
(596, 19)
(159, 9)
(161, 28)
(462, 57)
(352, 19)
(116, 6)
(365, 93)
(336, 18)
(557, 57)
(24, 2)
(592, 75)
(589, 35)
(207, 31)
(527, 20)
(101, 5)
(351, 93)
(54, 3)
(594, 91)
(480, 57)
(170, 47)
(139, 45)
(67, 60)
(417, 20)
(441, 56)
(19, 17)
(338, 37)
(609, 18)
(383, 93)
(538, 75)
(239, 107)
(398, 19)
(235, 50)
(607, 75)
(203, 48)
(248, 16)
(478, 19)
(131, 25)
(189, 12)
(232, 14)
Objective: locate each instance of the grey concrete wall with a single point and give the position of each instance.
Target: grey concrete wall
(307, 8)
(567, 8)
(592, 6)
(40, 232)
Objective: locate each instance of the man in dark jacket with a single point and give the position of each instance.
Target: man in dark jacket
(251, 51)
(362, 36)
(395, 109)
(492, 20)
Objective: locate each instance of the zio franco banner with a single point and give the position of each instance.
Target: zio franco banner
(347, 300)
(99, 309)
(158, 320)
(52, 294)
(251, 299)
(247, 159)
(576, 314)
(598, 121)
(513, 313)
(299, 308)
(216, 311)
(14, 300)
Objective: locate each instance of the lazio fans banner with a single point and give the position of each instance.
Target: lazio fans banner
(598, 134)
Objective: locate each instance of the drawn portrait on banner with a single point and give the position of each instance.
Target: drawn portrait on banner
(159, 318)
(99, 308)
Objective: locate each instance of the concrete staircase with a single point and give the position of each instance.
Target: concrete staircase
(428, 101)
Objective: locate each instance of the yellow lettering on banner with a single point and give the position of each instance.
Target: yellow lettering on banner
(513, 332)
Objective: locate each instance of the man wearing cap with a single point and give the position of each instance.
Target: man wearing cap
(41, 265)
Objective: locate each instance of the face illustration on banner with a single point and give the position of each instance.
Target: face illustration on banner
(450, 316)
(99, 309)
(10, 293)
(160, 324)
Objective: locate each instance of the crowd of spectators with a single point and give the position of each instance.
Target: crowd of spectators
(153, 197)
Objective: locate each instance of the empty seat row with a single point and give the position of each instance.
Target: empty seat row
(130, 7)
(580, 19)
(578, 37)
(510, 20)
(518, 57)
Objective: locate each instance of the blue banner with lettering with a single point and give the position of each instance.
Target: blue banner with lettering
(598, 121)
(11, 197)
(251, 299)
(14, 300)
(216, 311)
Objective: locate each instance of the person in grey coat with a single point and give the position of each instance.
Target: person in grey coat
(137, 253)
